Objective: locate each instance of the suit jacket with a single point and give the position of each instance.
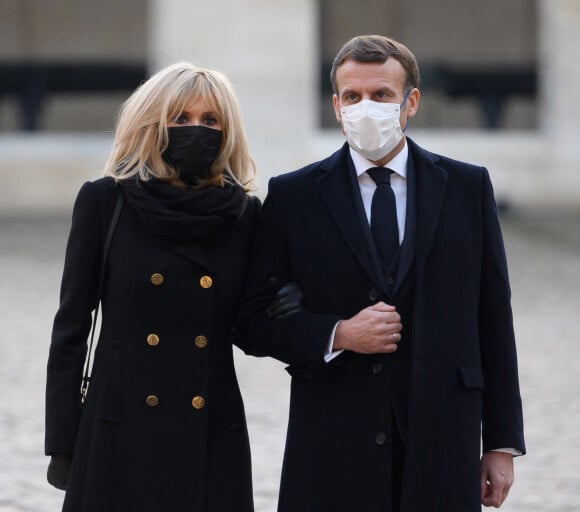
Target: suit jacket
(462, 368)
(163, 427)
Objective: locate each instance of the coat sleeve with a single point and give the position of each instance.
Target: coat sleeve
(297, 339)
(502, 409)
(72, 323)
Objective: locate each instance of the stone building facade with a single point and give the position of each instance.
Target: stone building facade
(499, 83)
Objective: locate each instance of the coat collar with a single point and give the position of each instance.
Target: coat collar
(427, 183)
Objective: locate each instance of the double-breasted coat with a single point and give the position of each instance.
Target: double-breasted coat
(460, 368)
(163, 427)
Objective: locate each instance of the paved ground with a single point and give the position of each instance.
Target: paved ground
(544, 254)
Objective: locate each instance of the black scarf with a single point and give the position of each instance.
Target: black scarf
(184, 215)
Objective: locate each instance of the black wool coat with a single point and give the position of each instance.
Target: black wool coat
(461, 369)
(163, 427)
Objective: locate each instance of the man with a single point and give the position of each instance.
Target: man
(402, 354)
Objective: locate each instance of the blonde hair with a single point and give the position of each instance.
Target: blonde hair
(141, 128)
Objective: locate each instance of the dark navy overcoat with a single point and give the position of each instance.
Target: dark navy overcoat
(462, 367)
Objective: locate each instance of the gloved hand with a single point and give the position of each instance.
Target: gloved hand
(58, 471)
(286, 301)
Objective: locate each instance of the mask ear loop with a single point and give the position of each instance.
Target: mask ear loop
(402, 105)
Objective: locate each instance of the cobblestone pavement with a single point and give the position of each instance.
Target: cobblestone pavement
(544, 254)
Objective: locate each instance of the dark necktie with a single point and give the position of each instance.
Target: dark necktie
(384, 227)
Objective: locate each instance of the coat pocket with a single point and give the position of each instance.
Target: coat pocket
(472, 377)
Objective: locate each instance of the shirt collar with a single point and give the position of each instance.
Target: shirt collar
(397, 164)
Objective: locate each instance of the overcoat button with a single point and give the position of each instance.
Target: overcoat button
(381, 438)
(390, 281)
(198, 402)
(373, 294)
(152, 400)
(153, 340)
(377, 368)
(157, 279)
(200, 341)
(206, 282)
(273, 281)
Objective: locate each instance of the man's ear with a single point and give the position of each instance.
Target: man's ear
(413, 102)
(336, 108)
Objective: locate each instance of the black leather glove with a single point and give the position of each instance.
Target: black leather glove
(58, 471)
(286, 301)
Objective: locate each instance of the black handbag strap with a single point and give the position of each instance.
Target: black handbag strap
(106, 245)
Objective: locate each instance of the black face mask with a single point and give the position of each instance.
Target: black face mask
(192, 150)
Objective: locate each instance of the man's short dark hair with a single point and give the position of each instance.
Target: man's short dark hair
(375, 48)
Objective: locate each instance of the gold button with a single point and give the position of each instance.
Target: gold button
(206, 282)
(200, 341)
(198, 402)
(153, 340)
(157, 279)
(152, 400)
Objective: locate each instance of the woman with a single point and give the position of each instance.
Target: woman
(163, 426)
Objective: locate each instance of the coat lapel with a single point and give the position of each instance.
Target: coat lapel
(430, 183)
(336, 191)
(191, 251)
(407, 253)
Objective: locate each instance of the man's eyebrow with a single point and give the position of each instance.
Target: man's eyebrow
(347, 91)
(385, 89)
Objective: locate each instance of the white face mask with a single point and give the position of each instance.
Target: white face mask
(371, 128)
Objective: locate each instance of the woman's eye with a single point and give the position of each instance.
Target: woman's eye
(180, 119)
(210, 121)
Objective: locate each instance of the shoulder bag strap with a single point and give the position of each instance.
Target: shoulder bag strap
(112, 226)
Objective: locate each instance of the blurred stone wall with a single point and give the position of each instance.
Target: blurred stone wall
(272, 52)
(54, 31)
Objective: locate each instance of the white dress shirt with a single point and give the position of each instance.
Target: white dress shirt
(398, 184)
